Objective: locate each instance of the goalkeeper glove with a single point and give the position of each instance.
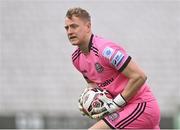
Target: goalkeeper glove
(80, 103)
(109, 106)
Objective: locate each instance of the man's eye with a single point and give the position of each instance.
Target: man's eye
(74, 26)
(66, 27)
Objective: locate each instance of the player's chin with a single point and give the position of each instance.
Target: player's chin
(74, 43)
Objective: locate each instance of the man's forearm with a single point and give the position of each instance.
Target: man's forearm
(133, 85)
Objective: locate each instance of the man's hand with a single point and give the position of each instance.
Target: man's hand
(80, 103)
(109, 106)
(83, 112)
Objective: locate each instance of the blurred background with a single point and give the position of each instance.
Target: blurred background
(39, 86)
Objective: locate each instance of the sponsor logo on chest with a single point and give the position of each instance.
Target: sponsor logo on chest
(107, 82)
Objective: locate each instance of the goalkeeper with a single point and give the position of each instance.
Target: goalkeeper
(107, 65)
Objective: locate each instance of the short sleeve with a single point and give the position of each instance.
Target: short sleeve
(116, 56)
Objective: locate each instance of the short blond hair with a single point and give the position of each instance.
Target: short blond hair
(78, 12)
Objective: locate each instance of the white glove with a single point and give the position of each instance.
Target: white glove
(80, 101)
(81, 109)
(109, 106)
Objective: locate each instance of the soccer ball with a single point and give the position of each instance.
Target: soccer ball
(91, 99)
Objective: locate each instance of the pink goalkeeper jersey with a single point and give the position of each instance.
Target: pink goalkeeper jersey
(104, 64)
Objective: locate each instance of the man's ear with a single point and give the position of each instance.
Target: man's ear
(88, 25)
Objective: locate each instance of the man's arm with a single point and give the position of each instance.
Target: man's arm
(136, 79)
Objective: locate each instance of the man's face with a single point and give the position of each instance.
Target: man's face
(77, 30)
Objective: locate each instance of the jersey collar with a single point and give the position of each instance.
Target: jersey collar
(90, 42)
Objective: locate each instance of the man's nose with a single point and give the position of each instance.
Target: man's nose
(69, 31)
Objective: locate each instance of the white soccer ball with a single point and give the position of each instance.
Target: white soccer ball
(91, 99)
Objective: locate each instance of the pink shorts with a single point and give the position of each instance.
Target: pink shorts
(145, 115)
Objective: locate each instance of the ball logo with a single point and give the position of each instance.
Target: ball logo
(96, 103)
(99, 68)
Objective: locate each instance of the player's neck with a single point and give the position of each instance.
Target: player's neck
(85, 46)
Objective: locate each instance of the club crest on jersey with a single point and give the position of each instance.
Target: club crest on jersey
(108, 52)
(117, 59)
(99, 67)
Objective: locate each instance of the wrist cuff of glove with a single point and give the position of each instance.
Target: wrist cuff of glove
(120, 101)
